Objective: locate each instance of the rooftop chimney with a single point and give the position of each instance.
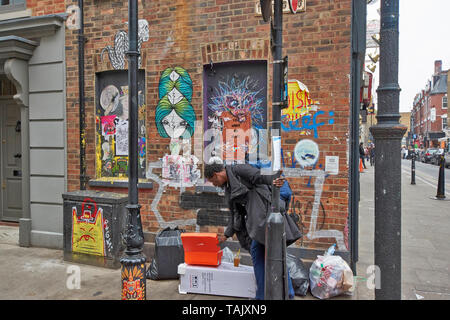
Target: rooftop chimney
(437, 67)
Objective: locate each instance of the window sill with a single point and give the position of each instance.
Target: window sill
(119, 183)
(8, 14)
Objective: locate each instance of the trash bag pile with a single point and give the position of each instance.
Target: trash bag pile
(299, 274)
(169, 254)
(330, 276)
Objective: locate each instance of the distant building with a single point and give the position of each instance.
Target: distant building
(405, 119)
(430, 111)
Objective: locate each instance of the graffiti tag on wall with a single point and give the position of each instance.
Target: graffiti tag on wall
(117, 53)
(302, 114)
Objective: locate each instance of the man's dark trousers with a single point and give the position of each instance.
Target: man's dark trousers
(257, 251)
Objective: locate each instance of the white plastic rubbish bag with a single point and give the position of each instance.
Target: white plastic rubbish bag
(227, 255)
(330, 276)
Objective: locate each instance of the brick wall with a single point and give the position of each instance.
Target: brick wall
(191, 35)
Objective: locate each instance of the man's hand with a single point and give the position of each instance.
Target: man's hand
(278, 182)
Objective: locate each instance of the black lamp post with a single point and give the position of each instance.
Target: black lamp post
(275, 277)
(388, 134)
(133, 261)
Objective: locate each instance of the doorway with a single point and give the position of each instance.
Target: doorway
(10, 162)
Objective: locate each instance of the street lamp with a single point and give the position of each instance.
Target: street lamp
(133, 261)
(388, 134)
(275, 277)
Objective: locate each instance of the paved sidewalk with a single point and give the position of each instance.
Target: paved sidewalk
(40, 273)
(425, 238)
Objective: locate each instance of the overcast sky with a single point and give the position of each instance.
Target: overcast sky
(424, 37)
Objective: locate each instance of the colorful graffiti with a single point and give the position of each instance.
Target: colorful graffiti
(302, 112)
(308, 123)
(112, 124)
(299, 101)
(133, 287)
(236, 111)
(87, 229)
(175, 119)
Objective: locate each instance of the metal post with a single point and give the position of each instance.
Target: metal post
(358, 53)
(275, 287)
(133, 261)
(441, 182)
(388, 134)
(413, 168)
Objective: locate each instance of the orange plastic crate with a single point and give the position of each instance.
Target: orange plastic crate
(201, 249)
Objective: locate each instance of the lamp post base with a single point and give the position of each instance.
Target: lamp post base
(133, 277)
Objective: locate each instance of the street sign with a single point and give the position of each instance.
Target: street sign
(266, 9)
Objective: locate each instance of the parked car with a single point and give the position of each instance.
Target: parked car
(447, 159)
(428, 155)
(436, 157)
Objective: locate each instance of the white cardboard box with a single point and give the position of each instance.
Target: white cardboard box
(224, 280)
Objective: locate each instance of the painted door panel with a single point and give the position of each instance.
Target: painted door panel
(11, 164)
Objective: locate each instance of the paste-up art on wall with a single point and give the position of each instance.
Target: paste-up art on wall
(175, 119)
(87, 229)
(112, 124)
(235, 96)
(117, 54)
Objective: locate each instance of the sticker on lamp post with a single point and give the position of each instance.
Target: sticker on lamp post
(276, 145)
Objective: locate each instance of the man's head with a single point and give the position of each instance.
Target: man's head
(216, 174)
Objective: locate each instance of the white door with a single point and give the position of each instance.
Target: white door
(11, 163)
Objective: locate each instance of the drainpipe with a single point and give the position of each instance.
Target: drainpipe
(359, 13)
(81, 40)
(275, 277)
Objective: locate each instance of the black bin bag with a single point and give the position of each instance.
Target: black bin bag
(169, 254)
(299, 274)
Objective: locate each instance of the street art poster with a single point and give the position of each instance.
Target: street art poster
(122, 138)
(300, 102)
(175, 119)
(112, 124)
(87, 229)
(235, 96)
(108, 125)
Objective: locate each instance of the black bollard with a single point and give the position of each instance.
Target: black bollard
(441, 181)
(413, 168)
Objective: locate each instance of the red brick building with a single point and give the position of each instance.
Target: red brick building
(210, 52)
(429, 111)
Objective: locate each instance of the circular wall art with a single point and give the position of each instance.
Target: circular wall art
(109, 99)
(306, 153)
